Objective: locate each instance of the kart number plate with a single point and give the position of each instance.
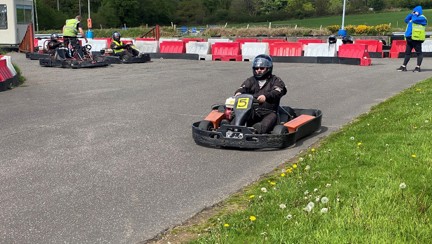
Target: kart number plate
(234, 135)
(242, 103)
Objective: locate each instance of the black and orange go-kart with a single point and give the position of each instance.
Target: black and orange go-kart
(64, 58)
(226, 126)
(109, 57)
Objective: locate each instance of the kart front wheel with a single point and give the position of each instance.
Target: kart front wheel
(280, 130)
(205, 125)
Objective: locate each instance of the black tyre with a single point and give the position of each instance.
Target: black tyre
(224, 122)
(205, 125)
(280, 130)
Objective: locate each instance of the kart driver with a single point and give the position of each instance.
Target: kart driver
(268, 89)
(124, 51)
(53, 44)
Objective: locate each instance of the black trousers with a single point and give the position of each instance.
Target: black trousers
(417, 45)
(267, 119)
(76, 46)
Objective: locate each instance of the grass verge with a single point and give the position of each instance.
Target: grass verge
(367, 183)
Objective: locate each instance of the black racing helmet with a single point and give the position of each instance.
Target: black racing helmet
(260, 61)
(116, 36)
(347, 40)
(332, 39)
(54, 37)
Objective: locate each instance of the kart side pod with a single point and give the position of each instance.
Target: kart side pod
(215, 117)
(292, 125)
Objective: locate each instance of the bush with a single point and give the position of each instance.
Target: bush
(333, 28)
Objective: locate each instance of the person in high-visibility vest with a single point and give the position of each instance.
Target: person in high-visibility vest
(70, 33)
(415, 34)
(124, 51)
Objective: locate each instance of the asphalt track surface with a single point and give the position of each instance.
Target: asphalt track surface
(106, 155)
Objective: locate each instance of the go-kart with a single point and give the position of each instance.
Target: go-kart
(70, 58)
(111, 58)
(226, 126)
(40, 52)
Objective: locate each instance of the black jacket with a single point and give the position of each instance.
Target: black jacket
(273, 90)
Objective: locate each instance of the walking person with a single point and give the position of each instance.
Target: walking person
(415, 35)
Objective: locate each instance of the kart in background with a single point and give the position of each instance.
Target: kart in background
(111, 58)
(69, 58)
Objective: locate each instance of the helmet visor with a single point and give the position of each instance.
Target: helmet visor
(262, 63)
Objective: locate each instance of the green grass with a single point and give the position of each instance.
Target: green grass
(360, 169)
(371, 19)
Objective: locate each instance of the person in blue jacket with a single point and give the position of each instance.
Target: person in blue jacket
(415, 34)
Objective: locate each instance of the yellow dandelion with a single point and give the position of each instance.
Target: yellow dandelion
(272, 183)
(252, 218)
(252, 196)
(282, 175)
(294, 166)
(359, 144)
(313, 150)
(289, 170)
(226, 225)
(413, 156)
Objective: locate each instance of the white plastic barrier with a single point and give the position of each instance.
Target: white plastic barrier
(251, 49)
(9, 64)
(147, 46)
(97, 45)
(214, 40)
(42, 43)
(320, 50)
(338, 44)
(200, 48)
(427, 46)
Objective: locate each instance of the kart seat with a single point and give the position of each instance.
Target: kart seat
(285, 114)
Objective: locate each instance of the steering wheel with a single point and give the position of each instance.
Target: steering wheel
(88, 47)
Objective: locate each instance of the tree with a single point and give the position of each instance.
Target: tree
(242, 10)
(321, 7)
(190, 11)
(377, 5)
(335, 7)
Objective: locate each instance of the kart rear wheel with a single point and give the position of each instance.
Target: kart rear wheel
(280, 130)
(205, 125)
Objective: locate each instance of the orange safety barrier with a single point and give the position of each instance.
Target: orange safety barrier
(192, 39)
(397, 46)
(374, 46)
(5, 73)
(302, 119)
(28, 42)
(226, 51)
(270, 41)
(307, 41)
(286, 49)
(355, 51)
(172, 47)
(127, 41)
